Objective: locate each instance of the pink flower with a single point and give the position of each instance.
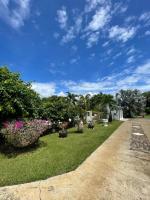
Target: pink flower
(18, 124)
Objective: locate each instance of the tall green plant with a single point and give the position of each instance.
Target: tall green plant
(131, 101)
(17, 99)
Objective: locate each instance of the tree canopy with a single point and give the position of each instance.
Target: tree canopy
(17, 99)
(147, 97)
(132, 102)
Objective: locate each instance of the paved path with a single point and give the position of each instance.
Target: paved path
(112, 172)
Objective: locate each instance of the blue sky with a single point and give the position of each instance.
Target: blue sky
(81, 46)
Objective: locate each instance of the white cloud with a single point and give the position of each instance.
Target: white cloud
(121, 33)
(137, 77)
(143, 69)
(145, 19)
(16, 16)
(145, 16)
(119, 8)
(123, 9)
(92, 4)
(105, 44)
(70, 35)
(129, 80)
(130, 19)
(89, 87)
(62, 94)
(62, 17)
(131, 51)
(109, 51)
(44, 89)
(100, 19)
(74, 60)
(83, 86)
(147, 33)
(78, 23)
(117, 55)
(131, 59)
(92, 39)
(71, 31)
(55, 70)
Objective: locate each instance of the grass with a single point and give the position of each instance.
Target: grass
(52, 156)
(147, 116)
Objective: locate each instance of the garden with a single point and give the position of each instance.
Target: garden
(44, 137)
(51, 155)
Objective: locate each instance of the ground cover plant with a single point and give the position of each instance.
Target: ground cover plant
(52, 155)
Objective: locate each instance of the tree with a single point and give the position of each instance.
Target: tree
(72, 100)
(17, 99)
(58, 108)
(95, 102)
(131, 101)
(147, 97)
(99, 101)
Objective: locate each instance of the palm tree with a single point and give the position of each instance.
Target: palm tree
(72, 105)
(72, 98)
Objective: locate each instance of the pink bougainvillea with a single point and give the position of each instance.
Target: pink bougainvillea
(21, 134)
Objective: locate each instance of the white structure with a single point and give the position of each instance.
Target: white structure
(88, 116)
(105, 122)
(117, 114)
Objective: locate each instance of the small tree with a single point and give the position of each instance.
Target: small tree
(17, 99)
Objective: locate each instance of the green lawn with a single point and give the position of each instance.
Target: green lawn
(52, 156)
(147, 116)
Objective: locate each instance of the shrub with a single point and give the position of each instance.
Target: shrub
(63, 133)
(91, 125)
(22, 134)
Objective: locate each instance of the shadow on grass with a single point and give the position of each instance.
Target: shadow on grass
(12, 152)
(75, 132)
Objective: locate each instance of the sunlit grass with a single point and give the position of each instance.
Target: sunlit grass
(147, 116)
(52, 156)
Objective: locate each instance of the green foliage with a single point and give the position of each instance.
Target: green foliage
(58, 108)
(132, 102)
(63, 108)
(99, 101)
(17, 99)
(147, 96)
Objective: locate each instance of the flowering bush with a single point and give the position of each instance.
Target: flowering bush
(22, 134)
